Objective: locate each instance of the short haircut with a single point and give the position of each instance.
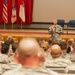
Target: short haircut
(45, 46)
(63, 45)
(50, 42)
(10, 39)
(14, 47)
(70, 41)
(5, 47)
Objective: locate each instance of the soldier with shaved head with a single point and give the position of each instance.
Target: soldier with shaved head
(31, 59)
(57, 59)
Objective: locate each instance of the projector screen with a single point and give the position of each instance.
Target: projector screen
(47, 10)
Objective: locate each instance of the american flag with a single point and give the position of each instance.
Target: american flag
(13, 17)
(5, 11)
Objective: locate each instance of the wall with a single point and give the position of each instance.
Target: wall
(47, 10)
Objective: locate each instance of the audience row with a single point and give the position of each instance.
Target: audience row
(30, 55)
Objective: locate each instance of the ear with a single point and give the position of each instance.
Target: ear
(39, 55)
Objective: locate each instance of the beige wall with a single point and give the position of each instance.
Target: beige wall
(47, 10)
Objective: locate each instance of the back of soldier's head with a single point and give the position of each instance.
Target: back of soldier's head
(63, 45)
(70, 41)
(14, 47)
(28, 46)
(5, 47)
(45, 46)
(56, 51)
(50, 42)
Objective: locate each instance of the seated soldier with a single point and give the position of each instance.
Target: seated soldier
(63, 45)
(70, 49)
(11, 41)
(57, 59)
(14, 62)
(4, 52)
(69, 44)
(30, 59)
(71, 55)
(14, 48)
(46, 49)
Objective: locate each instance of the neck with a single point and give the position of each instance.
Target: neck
(54, 24)
(56, 56)
(64, 50)
(16, 60)
(30, 63)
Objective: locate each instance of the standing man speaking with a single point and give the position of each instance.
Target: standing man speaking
(55, 30)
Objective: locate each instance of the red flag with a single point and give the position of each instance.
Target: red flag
(13, 17)
(22, 11)
(5, 11)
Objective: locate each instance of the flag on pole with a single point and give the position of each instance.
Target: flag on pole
(13, 16)
(22, 11)
(5, 11)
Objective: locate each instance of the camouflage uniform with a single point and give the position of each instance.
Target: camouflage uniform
(70, 56)
(31, 71)
(54, 35)
(64, 54)
(58, 62)
(4, 58)
(70, 68)
(0, 68)
(9, 66)
(48, 57)
(10, 51)
(11, 58)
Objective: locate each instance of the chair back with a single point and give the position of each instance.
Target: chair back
(61, 22)
(71, 23)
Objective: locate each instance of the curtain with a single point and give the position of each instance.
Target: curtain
(1, 8)
(9, 11)
(28, 11)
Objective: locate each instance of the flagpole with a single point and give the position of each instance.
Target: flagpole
(4, 26)
(12, 26)
(21, 24)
